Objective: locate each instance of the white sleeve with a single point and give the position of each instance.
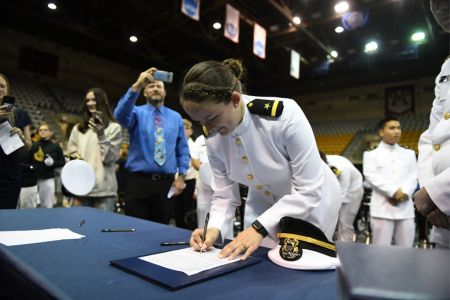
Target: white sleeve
(307, 171)
(373, 176)
(409, 185)
(225, 197)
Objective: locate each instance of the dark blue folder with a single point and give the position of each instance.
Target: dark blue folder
(175, 279)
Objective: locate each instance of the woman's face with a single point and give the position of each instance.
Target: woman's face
(216, 117)
(3, 89)
(90, 102)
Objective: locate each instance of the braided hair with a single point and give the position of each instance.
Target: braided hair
(212, 81)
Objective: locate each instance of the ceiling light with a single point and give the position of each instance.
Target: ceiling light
(133, 39)
(341, 7)
(339, 29)
(370, 47)
(334, 53)
(217, 25)
(52, 6)
(418, 36)
(296, 20)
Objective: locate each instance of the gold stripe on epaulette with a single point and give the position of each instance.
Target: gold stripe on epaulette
(307, 239)
(274, 108)
(205, 131)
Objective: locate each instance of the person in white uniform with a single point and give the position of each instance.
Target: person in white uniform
(352, 190)
(391, 171)
(264, 143)
(433, 199)
(204, 191)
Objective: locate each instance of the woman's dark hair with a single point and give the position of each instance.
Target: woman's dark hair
(213, 81)
(102, 105)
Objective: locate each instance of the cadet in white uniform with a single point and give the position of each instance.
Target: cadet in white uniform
(352, 190)
(391, 170)
(204, 191)
(433, 199)
(264, 143)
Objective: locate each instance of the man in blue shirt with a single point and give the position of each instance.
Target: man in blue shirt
(158, 150)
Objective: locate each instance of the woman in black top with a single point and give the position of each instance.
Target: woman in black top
(10, 175)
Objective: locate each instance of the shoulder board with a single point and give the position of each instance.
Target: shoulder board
(372, 148)
(336, 171)
(262, 107)
(404, 146)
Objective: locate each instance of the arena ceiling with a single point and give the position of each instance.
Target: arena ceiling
(170, 40)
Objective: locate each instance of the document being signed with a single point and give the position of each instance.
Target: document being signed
(188, 260)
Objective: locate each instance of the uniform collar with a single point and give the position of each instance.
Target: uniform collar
(242, 127)
(387, 146)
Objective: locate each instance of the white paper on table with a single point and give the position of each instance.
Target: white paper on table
(9, 143)
(23, 237)
(188, 260)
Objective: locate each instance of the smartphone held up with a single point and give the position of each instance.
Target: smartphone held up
(8, 102)
(163, 76)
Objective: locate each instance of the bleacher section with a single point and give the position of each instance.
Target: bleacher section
(348, 138)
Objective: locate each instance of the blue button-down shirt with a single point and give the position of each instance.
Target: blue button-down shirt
(140, 122)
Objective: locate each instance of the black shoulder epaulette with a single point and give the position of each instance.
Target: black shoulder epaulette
(336, 171)
(270, 108)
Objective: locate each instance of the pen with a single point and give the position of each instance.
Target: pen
(119, 230)
(204, 231)
(174, 243)
(81, 223)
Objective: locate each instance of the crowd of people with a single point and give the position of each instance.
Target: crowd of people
(263, 143)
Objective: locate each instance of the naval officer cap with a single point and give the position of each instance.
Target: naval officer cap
(303, 246)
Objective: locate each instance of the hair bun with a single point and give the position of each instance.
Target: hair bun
(235, 66)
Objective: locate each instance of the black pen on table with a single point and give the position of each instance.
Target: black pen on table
(175, 243)
(204, 231)
(81, 223)
(118, 230)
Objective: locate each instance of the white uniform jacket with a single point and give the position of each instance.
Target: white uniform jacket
(350, 179)
(434, 145)
(388, 168)
(277, 158)
(434, 151)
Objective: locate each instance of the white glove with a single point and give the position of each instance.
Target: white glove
(48, 161)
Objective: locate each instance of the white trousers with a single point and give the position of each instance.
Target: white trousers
(383, 230)
(46, 189)
(28, 197)
(347, 215)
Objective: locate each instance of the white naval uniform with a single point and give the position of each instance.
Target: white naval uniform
(204, 190)
(352, 190)
(277, 158)
(388, 168)
(434, 153)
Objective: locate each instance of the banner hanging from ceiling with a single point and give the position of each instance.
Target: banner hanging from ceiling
(231, 30)
(191, 8)
(295, 64)
(259, 41)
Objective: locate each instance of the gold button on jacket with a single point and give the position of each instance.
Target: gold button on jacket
(446, 116)
(437, 147)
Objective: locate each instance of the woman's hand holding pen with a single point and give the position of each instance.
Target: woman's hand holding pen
(196, 241)
(246, 242)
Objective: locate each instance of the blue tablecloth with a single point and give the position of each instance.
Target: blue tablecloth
(79, 269)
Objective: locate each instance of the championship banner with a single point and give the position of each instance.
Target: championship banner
(399, 100)
(259, 41)
(231, 30)
(191, 8)
(295, 64)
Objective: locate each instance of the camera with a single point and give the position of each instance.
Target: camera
(163, 76)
